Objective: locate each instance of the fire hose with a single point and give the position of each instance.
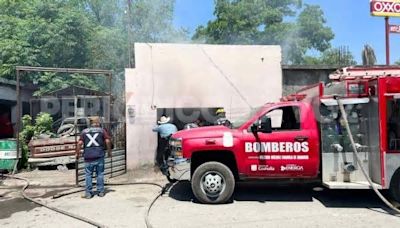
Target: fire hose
(379, 194)
(83, 219)
(163, 190)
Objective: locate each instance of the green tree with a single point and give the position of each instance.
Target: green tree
(151, 21)
(80, 34)
(368, 56)
(339, 57)
(287, 23)
(309, 33)
(49, 82)
(42, 125)
(41, 33)
(28, 131)
(106, 13)
(108, 43)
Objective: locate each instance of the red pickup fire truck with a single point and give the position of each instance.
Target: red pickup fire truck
(302, 137)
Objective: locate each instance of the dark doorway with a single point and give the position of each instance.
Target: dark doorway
(6, 126)
(181, 117)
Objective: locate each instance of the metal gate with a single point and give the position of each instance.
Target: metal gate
(114, 166)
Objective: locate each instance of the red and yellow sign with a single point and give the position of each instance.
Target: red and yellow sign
(385, 8)
(394, 28)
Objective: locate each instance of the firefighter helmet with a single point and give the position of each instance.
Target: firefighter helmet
(220, 110)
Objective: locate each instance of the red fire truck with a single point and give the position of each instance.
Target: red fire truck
(302, 138)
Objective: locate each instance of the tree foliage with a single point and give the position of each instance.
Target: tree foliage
(339, 56)
(79, 34)
(41, 33)
(288, 23)
(52, 81)
(42, 125)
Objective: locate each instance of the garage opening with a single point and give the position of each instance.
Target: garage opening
(181, 118)
(6, 126)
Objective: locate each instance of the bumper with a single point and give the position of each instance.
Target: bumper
(179, 169)
(52, 161)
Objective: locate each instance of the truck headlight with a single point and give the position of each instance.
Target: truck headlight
(176, 147)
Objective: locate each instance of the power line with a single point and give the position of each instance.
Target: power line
(226, 77)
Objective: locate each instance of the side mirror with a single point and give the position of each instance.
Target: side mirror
(254, 128)
(265, 126)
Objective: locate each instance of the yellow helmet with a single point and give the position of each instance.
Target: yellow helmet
(220, 110)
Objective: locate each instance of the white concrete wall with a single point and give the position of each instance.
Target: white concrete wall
(190, 75)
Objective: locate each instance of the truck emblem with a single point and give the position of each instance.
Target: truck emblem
(227, 139)
(292, 167)
(254, 168)
(266, 168)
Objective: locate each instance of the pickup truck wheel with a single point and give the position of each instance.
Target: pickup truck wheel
(213, 183)
(395, 186)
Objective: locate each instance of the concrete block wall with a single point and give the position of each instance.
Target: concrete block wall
(297, 77)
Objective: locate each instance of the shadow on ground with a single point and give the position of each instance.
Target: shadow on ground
(263, 192)
(11, 206)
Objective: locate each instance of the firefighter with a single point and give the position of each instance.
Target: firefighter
(165, 130)
(195, 124)
(94, 140)
(222, 120)
(190, 125)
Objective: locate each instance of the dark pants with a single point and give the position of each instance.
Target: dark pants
(90, 167)
(161, 151)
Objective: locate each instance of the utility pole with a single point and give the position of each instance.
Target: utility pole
(387, 40)
(129, 20)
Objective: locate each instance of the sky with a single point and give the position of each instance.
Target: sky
(350, 20)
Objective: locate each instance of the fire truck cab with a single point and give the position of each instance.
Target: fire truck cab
(302, 137)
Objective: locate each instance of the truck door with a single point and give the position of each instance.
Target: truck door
(290, 150)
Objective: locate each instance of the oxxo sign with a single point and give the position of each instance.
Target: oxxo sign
(385, 8)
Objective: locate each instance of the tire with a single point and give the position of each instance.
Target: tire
(66, 130)
(213, 183)
(395, 186)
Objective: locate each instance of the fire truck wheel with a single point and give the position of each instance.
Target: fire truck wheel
(213, 183)
(395, 186)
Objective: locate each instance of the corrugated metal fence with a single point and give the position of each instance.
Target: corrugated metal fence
(114, 166)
